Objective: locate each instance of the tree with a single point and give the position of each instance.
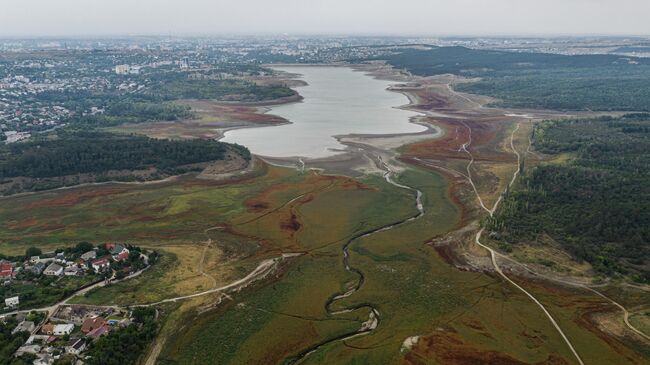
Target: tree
(33, 251)
(83, 247)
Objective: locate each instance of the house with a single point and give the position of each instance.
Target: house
(122, 256)
(38, 268)
(92, 324)
(12, 302)
(116, 250)
(90, 255)
(71, 314)
(98, 332)
(24, 326)
(73, 271)
(63, 329)
(75, 346)
(7, 270)
(100, 264)
(46, 359)
(48, 329)
(54, 270)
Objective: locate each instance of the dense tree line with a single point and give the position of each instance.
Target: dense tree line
(597, 205)
(10, 343)
(481, 62)
(225, 90)
(539, 80)
(96, 152)
(121, 112)
(601, 88)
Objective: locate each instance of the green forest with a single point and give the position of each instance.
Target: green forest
(223, 90)
(539, 80)
(596, 205)
(77, 152)
(121, 112)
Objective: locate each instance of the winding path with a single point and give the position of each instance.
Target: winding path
(492, 252)
(263, 269)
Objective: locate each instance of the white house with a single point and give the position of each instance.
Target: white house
(53, 270)
(90, 255)
(12, 302)
(63, 329)
(72, 271)
(75, 346)
(101, 264)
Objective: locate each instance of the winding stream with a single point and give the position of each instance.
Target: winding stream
(374, 318)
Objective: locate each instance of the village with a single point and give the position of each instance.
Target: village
(37, 287)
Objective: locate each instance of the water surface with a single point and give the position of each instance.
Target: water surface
(337, 101)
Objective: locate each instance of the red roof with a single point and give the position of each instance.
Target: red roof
(92, 324)
(7, 269)
(122, 256)
(101, 261)
(98, 331)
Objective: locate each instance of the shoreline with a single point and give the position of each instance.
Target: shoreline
(353, 142)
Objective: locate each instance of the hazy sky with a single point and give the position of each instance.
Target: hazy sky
(396, 17)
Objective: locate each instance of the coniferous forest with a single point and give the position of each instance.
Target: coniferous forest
(97, 152)
(596, 205)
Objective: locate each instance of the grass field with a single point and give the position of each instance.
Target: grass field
(461, 316)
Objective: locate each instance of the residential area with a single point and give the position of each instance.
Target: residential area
(38, 326)
(71, 334)
(38, 278)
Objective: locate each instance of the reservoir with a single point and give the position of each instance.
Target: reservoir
(337, 101)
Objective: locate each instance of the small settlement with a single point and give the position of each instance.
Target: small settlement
(68, 332)
(23, 280)
(55, 330)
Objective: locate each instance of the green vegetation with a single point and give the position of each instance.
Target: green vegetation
(35, 289)
(125, 346)
(601, 88)
(44, 290)
(149, 287)
(224, 90)
(415, 291)
(92, 152)
(597, 205)
(539, 80)
(121, 112)
(10, 343)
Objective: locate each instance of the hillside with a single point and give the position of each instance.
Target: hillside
(70, 158)
(596, 205)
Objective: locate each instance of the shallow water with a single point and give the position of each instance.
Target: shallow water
(337, 101)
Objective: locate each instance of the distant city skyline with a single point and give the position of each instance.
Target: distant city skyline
(332, 17)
